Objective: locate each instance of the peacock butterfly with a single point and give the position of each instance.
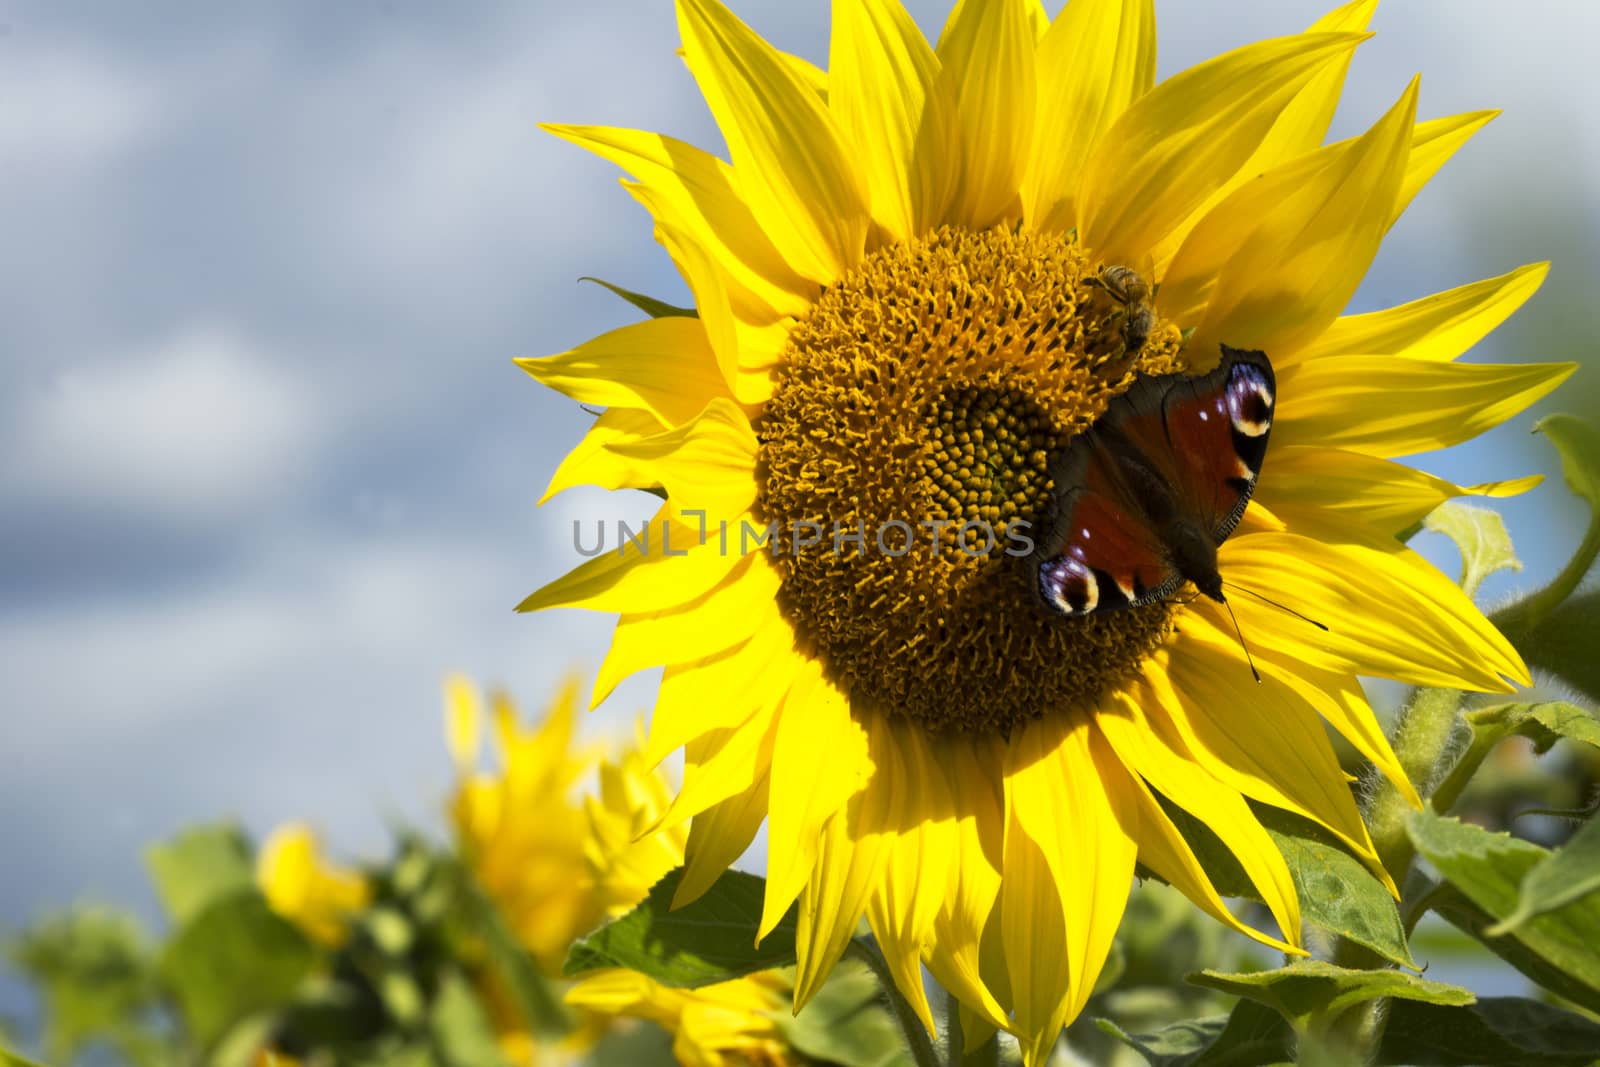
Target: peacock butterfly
(1143, 498)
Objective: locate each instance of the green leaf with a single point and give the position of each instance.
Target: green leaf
(234, 957)
(536, 1002)
(1314, 988)
(1563, 643)
(1544, 723)
(463, 1035)
(1481, 536)
(1253, 1035)
(1569, 873)
(1508, 1030)
(198, 867)
(846, 1023)
(1578, 442)
(1487, 869)
(711, 940)
(94, 968)
(656, 309)
(11, 1059)
(1338, 894)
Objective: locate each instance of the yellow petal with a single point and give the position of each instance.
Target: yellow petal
(1178, 778)
(1097, 58)
(819, 762)
(1305, 485)
(987, 50)
(973, 772)
(724, 617)
(790, 163)
(707, 464)
(754, 674)
(1388, 612)
(711, 298)
(463, 721)
(1067, 806)
(724, 763)
(1299, 128)
(850, 860)
(718, 836)
(815, 77)
(692, 191)
(1297, 244)
(915, 871)
(1186, 137)
(896, 112)
(1438, 327)
(665, 566)
(1261, 740)
(1431, 148)
(1394, 407)
(591, 463)
(664, 366)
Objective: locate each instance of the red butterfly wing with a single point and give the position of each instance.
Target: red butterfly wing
(1100, 552)
(1205, 435)
(1175, 449)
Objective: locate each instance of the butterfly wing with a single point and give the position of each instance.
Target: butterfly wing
(1174, 449)
(1205, 435)
(1099, 551)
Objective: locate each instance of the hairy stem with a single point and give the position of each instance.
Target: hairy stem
(911, 1028)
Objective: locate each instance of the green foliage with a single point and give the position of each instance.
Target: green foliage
(1554, 630)
(11, 1059)
(846, 1023)
(1544, 723)
(1570, 873)
(1563, 643)
(233, 957)
(1481, 536)
(95, 972)
(656, 309)
(1308, 989)
(199, 866)
(1487, 869)
(1509, 1030)
(1252, 1035)
(1338, 894)
(711, 940)
(1577, 441)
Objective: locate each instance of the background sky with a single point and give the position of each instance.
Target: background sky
(267, 472)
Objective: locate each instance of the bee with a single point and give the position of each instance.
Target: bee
(1128, 288)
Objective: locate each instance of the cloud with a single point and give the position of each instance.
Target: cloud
(61, 106)
(199, 427)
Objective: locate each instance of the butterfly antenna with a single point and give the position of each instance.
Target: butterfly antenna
(1247, 657)
(1280, 607)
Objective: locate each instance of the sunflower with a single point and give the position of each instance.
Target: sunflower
(917, 280)
(555, 865)
(302, 886)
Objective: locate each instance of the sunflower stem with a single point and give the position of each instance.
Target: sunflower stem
(911, 1028)
(1422, 743)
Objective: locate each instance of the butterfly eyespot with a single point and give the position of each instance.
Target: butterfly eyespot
(1068, 586)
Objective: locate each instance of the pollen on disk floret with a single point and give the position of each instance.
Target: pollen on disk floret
(914, 418)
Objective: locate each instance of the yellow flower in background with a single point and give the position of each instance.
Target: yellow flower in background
(554, 870)
(303, 887)
(728, 1023)
(908, 305)
(520, 826)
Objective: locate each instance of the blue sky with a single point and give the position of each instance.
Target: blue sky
(266, 469)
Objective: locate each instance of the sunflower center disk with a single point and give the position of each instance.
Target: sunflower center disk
(908, 441)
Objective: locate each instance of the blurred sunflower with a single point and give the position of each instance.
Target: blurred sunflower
(902, 315)
(301, 885)
(555, 866)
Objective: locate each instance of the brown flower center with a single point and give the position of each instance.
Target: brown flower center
(915, 415)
